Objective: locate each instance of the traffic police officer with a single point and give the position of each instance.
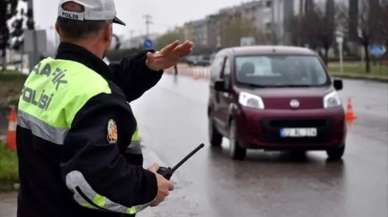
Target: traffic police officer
(74, 122)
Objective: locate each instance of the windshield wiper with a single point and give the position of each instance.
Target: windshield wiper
(254, 85)
(296, 85)
(277, 86)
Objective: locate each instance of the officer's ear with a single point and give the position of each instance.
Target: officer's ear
(108, 33)
(58, 29)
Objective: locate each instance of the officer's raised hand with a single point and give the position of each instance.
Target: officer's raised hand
(169, 55)
(164, 186)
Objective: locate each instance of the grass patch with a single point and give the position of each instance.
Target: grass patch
(11, 84)
(358, 70)
(11, 76)
(8, 168)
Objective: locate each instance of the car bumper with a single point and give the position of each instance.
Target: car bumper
(261, 129)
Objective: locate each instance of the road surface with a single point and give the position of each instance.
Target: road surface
(172, 119)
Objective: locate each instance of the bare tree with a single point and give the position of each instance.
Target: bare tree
(385, 24)
(352, 20)
(371, 24)
(309, 6)
(327, 28)
(316, 27)
(310, 27)
(296, 33)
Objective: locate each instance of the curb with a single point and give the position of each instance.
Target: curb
(9, 187)
(360, 77)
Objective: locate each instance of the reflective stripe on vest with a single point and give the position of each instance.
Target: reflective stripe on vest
(135, 146)
(76, 179)
(136, 136)
(53, 94)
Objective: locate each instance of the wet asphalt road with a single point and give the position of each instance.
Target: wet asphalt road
(172, 119)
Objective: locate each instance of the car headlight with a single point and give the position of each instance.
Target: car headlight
(332, 100)
(250, 100)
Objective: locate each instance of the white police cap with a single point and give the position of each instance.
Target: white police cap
(97, 10)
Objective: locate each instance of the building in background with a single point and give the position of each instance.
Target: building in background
(283, 11)
(209, 33)
(197, 31)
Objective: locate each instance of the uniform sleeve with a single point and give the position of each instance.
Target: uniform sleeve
(134, 77)
(93, 168)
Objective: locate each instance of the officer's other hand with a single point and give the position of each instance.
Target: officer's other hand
(164, 186)
(169, 55)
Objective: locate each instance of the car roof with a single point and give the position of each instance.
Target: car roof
(269, 50)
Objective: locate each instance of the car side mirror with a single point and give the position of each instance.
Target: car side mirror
(219, 86)
(338, 84)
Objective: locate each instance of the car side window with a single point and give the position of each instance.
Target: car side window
(226, 72)
(216, 68)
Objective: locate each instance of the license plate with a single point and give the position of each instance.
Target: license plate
(298, 132)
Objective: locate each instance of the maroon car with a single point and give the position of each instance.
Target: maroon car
(275, 98)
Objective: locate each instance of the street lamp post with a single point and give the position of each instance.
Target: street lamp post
(360, 35)
(340, 42)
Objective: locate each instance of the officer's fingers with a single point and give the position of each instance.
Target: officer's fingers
(185, 45)
(185, 52)
(170, 47)
(171, 186)
(152, 56)
(184, 49)
(154, 168)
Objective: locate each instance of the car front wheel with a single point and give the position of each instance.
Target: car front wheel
(236, 151)
(336, 154)
(215, 138)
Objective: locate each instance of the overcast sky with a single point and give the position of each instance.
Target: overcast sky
(166, 13)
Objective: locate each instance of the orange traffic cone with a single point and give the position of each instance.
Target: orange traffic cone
(11, 134)
(350, 115)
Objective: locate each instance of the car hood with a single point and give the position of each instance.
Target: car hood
(280, 98)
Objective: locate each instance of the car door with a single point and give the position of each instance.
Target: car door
(225, 97)
(215, 96)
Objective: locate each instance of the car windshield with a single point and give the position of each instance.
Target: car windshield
(280, 71)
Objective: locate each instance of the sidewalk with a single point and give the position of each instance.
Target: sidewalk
(8, 204)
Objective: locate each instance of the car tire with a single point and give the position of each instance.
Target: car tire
(236, 151)
(215, 138)
(336, 154)
(299, 154)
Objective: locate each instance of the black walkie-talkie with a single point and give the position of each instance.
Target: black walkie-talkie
(167, 172)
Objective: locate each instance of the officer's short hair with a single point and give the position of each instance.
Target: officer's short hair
(75, 29)
(78, 29)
